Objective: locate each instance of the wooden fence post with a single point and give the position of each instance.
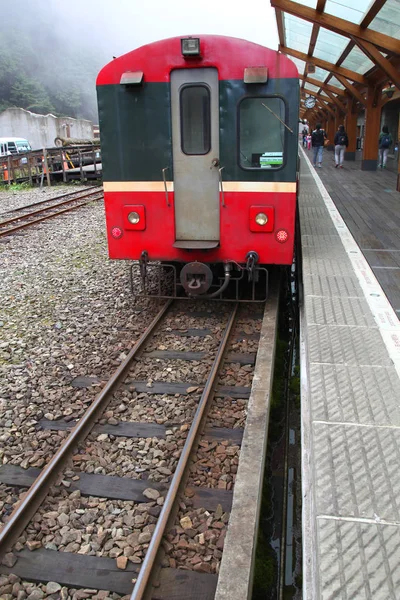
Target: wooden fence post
(9, 162)
(80, 165)
(46, 167)
(30, 169)
(63, 166)
(94, 164)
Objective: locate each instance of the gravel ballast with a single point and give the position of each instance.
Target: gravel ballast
(66, 311)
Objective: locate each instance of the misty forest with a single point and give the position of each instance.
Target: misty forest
(45, 67)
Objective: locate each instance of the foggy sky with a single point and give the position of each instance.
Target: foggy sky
(63, 44)
(115, 27)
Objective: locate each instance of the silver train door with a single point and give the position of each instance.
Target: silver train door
(195, 147)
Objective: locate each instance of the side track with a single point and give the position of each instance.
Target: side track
(54, 208)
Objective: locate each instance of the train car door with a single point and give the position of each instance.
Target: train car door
(195, 147)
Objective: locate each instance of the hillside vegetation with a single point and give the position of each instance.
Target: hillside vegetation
(42, 68)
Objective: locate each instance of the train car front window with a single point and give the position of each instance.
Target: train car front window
(195, 119)
(261, 133)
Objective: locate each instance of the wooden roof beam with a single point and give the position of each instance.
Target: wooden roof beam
(304, 77)
(281, 28)
(340, 26)
(336, 101)
(326, 101)
(382, 62)
(371, 14)
(352, 89)
(325, 106)
(326, 65)
(377, 77)
(367, 20)
(323, 86)
(314, 34)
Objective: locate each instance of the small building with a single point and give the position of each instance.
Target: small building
(41, 130)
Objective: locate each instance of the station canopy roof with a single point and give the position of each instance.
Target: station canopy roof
(341, 49)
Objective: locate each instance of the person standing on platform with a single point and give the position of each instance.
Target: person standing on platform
(318, 138)
(385, 141)
(304, 133)
(341, 142)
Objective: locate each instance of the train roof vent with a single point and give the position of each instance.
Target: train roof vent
(132, 78)
(255, 75)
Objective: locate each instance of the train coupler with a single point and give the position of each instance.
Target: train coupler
(228, 281)
(252, 259)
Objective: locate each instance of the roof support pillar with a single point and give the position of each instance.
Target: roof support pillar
(351, 129)
(338, 120)
(330, 131)
(372, 128)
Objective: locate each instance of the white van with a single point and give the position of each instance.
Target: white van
(12, 146)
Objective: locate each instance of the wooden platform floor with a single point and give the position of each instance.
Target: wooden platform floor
(370, 205)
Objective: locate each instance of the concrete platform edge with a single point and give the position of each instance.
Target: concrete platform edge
(345, 503)
(382, 311)
(309, 528)
(237, 565)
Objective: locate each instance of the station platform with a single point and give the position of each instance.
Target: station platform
(350, 382)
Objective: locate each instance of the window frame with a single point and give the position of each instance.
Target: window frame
(22, 147)
(11, 146)
(182, 88)
(285, 138)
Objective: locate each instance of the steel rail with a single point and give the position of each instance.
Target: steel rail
(59, 212)
(148, 563)
(41, 210)
(287, 392)
(23, 513)
(8, 212)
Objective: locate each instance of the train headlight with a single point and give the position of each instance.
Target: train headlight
(133, 217)
(190, 46)
(261, 219)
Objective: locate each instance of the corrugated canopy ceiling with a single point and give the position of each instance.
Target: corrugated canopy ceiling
(341, 49)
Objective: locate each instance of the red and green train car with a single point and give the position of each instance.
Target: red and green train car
(200, 160)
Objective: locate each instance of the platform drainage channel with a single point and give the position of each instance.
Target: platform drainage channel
(277, 574)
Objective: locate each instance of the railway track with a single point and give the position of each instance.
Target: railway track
(136, 501)
(23, 217)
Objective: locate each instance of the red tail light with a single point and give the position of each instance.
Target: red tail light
(116, 232)
(282, 236)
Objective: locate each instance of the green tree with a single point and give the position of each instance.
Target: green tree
(41, 70)
(30, 94)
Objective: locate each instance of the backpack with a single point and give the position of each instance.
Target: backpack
(318, 137)
(342, 140)
(385, 141)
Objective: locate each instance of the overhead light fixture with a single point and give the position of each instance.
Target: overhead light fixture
(389, 91)
(190, 46)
